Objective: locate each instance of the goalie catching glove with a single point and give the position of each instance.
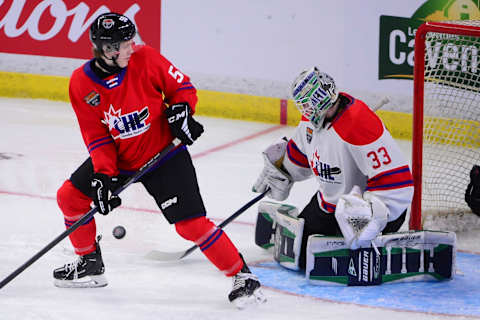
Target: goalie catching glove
(103, 186)
(472, 194)
(182, 125)
(272, 177)
(361, 219)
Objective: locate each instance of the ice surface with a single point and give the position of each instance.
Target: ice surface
(40, 147)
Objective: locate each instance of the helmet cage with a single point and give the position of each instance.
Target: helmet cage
(314, 93)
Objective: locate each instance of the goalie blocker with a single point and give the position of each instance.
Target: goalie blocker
(396, 257)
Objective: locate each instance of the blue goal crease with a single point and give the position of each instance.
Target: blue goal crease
(458, 296)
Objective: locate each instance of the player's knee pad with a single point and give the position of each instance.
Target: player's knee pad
(72, 201)
(265, 225)
(195, 229)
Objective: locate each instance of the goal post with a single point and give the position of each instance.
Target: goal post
(446, 115)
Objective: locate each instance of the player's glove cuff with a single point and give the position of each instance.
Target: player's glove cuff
(182, 125)
(102, 187)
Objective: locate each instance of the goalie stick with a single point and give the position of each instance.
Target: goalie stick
(144, 169)
(172, 256)
(381, 103)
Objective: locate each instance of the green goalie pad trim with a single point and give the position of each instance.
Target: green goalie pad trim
(404, 257)
(334, 253)
(420, 275)
(395, 276)
(287, 233)
(284, 258)
(265, 225)
(266, 216)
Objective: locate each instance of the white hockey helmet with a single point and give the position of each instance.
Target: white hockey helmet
(314, 92)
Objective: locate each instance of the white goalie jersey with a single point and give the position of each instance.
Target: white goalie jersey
(354, 149)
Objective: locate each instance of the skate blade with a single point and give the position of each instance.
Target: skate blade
(85, 282)
(248, 301)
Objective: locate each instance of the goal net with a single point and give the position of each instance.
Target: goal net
(446, 131)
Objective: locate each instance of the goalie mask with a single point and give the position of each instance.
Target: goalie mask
(314, 93)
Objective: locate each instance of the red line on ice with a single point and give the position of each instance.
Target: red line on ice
(198, 155)
(235, 142)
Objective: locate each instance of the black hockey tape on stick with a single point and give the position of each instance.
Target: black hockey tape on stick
(144, 169)
(171, 256)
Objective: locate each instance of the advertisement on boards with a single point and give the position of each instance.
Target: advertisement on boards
(397, 34)
(59, 28)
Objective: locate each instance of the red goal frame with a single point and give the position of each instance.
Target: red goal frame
(415, 222)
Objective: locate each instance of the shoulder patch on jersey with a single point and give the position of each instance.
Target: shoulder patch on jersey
(93, 98)
(358, 124)
(309, 134)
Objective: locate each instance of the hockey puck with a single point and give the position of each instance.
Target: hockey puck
(119, 232)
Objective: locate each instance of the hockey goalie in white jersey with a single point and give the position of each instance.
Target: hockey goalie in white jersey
(364, 189)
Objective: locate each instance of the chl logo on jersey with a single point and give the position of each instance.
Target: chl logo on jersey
(323, 170)
(128, 125)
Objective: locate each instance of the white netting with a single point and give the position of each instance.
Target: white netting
(451, 130)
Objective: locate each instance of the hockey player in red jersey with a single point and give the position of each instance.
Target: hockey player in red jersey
(364, 181)
(131, 102)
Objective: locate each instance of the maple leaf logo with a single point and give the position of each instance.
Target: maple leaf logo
(112, 119)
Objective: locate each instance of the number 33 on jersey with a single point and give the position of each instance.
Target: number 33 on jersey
(354, 149)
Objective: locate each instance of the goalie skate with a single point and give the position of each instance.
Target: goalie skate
(85, 272)
(246, 289)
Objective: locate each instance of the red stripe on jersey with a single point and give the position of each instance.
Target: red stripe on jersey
(304, 119)
(330, 207)
(392, 179)
(296, 156)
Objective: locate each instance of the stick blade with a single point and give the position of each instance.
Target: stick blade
(165, 256)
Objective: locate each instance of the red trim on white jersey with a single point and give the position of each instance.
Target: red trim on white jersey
(392, 179)
(357, 124)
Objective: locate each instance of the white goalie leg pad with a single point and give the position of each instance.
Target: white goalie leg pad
(288, 238)
(328, 246)
(404, 257)
(429, 245)
(266, 224)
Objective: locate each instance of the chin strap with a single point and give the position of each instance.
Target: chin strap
(111, 69)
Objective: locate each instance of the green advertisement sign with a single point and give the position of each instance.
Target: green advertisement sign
(397, 34)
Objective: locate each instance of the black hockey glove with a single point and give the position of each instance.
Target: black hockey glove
(472, 194)
(102, 187)
(182, 125)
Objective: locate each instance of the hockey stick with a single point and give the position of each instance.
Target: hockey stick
(171, 256)
(381, 103)
(144, 169)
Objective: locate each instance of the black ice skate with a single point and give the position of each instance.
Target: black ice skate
(246, 288)
(86, 272)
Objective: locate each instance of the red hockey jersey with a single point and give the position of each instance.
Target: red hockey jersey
(121, 117)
